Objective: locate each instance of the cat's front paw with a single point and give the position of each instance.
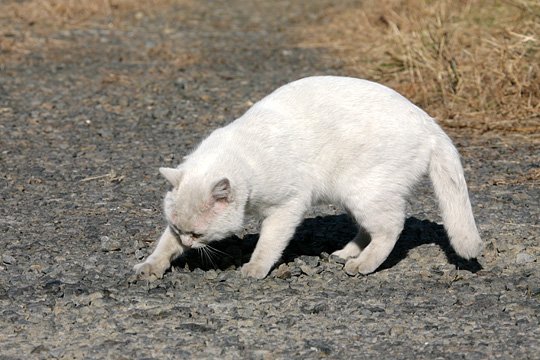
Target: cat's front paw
(255, 270)
(151, 268)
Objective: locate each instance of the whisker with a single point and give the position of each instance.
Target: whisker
(205, 257)
(217, 251)
(209, 254)
(201, 254)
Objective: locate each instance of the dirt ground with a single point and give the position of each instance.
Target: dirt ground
(96, 96)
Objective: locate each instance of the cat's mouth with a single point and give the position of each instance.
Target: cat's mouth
(188, 239)
(197, 245)
(190, 242)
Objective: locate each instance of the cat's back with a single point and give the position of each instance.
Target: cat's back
(329, 88)
(321, 124)
(330, 99)
(333, 105)
(333, 90)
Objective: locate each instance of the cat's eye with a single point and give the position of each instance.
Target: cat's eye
(177, 231)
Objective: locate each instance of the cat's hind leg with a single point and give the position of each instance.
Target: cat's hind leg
(383, 220)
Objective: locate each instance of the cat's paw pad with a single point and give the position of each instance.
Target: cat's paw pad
(353, 267)
(149, 269)
(254, 270)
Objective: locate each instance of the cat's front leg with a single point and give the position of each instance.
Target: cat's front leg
(167, 249)
(277, 230)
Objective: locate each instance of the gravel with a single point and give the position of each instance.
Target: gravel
(84, 130)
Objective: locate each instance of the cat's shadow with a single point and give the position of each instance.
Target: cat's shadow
(325, 234)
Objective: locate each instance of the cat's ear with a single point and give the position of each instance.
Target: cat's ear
(172, 175)
(222, 190)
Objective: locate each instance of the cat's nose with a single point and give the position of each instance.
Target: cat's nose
(186, 240)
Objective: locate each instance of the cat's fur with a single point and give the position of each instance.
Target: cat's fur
(330, 139)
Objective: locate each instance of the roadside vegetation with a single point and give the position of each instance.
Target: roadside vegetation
(471, 63)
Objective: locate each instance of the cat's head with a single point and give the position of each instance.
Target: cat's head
(201, 209)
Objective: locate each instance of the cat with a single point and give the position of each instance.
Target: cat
(331, 139)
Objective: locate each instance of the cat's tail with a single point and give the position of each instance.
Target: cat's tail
(446, 174)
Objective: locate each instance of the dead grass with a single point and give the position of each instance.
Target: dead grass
(472, 64)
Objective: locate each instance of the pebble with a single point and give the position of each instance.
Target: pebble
(524, 258)
(108, 244)
(283, 272)
(336, 259)
(8, 259)
(262, 355)
(308, 270)
(211, 275)
(295, 271)
(225, 275)
(139, 254)
(397, 330)
(180, 83)
(312, 261)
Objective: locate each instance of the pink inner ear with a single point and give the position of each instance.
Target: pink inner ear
(222, 190)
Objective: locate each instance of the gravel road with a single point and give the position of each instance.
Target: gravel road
(89, 114)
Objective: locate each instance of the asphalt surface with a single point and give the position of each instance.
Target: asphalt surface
(86, 121)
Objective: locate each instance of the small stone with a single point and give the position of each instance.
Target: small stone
(337, 259)
(139, 254)
(108, 244)
(308, 270)
(509, 286)
(502, 247)
(198, 271)
(211, 275)
(319, 346)
(224, 276)
(262, 355)
(38, 349)
(283, 272)
(524, 258)
(296, 271)
(180, 83)
(397, 330)
(312, 261)
(8, 259)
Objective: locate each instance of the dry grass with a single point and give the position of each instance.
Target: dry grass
(470, 63)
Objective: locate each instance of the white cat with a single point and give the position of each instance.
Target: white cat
(330, 139)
